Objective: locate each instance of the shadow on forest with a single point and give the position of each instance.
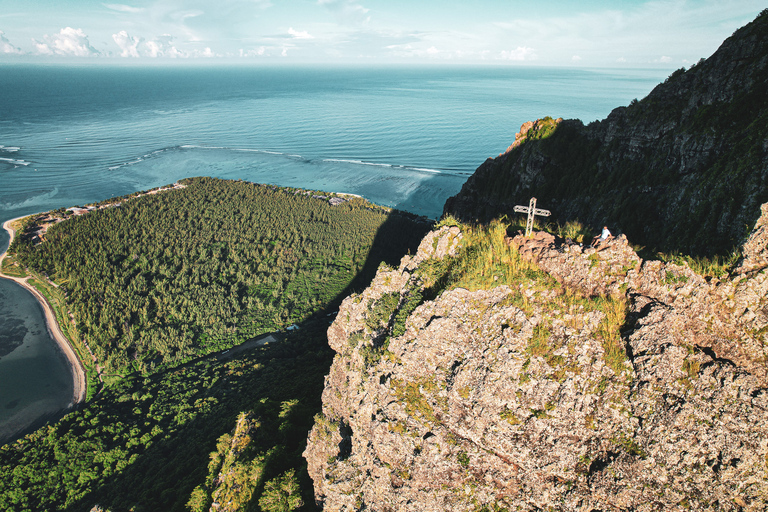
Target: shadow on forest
(163, 476)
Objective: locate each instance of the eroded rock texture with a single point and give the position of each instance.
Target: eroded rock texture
(516, 397)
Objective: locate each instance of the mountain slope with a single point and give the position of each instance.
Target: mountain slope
(538, 393)
(685, 168)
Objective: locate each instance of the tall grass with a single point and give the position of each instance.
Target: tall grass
(707, 267)
(485, 260)
(609, 331)
(574, 230)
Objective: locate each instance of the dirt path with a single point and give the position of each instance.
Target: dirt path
(54, 330)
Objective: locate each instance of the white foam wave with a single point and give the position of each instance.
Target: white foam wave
(279, 153)
(126, 164)
(9, 149)
(244, 150)
(377, 164)
(13, 161)
(357, 162)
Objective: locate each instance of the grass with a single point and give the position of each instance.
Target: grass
(416, 404)
(707, 267)
(574, 230)
(485, 260)
(608, 332)
(12, 268)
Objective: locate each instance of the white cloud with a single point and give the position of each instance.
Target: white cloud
(6, 46)
(300, 35)
(258, 52)
(665, 59)
(621, 59)
(124, 8)
(127, 43)
(206, 53)
(162, 46)
(69, 41)
(638, 31)
(576, 58)
(519, 53)
(432, 51)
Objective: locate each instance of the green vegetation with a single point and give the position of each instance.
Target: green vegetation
(144, 443)
(630, 446)
(486, 260)
(608, 332)
(542, 128)
(168, 277)
(717, 266)
(415, 400)
(12, 268)
(156, 284)
(575, 231)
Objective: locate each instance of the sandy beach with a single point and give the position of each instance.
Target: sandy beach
(78, 372)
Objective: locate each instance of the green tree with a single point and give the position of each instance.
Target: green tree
(282, 494)
(199, 501)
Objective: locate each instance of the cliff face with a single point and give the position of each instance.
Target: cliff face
(683, 169)
(547, 393)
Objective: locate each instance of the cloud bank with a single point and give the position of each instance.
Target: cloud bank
(69, 42)
(6, 46)
(663, 33)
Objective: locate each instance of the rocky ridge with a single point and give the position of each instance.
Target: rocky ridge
(518, 398)
(682, 169)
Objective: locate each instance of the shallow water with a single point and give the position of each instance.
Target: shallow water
(35, 377)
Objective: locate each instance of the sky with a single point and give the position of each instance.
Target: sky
(589, 33)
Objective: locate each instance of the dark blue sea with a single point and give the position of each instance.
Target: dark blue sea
(399, 136)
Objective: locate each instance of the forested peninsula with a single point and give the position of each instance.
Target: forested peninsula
(156, 281)
(158, 287)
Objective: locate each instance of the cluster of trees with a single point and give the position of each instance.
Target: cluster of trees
(168, 277)
(158, 442)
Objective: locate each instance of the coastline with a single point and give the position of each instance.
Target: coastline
(78, 371)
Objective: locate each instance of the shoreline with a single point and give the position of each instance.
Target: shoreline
(52, 325)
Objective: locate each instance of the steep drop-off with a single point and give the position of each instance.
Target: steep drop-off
(598, 381)
(685, 168)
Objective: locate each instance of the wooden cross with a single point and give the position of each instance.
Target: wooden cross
(532, 211)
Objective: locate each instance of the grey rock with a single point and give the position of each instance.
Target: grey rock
(512, 396)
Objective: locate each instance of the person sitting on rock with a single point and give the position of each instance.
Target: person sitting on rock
(602, 237)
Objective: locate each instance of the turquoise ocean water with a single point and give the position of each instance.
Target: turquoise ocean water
(402, 137)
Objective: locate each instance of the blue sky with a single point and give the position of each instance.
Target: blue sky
(592, 33)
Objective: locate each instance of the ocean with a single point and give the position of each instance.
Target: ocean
(405, 137)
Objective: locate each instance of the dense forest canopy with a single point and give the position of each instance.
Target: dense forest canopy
(166, 278)
(148, 443)
(170, 276)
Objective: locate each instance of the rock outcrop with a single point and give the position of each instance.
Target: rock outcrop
(520, 397)
(682, 169)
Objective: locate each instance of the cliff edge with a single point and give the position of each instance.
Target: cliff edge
(583, 379)
(683, 169)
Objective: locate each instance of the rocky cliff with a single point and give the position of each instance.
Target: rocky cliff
(593, 380)
(683, 169)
